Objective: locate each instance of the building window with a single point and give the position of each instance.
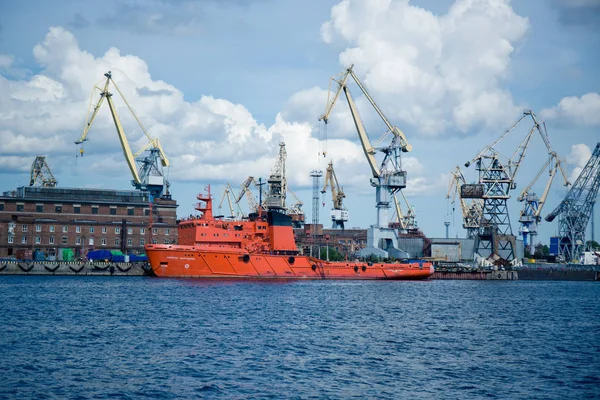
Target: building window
(154, 231)
(94, 210)
(11, 239)
(103, 229)
(129, 242)
(78, 229)
(117, 242)
(57, 209)
(142, 231)
(77, 240)
(65, 240)
(130, 211)
(20, 207)
(154, 241)
(65, 229)
(103, 241)
(117, 230)
(23, 239)
(39, 208)
(24, 228)
(51, 229)
(77, 209)
(166, 241)
(146, 212)
(38, 228)
(51, 240)
(113, 211)
(167, 231)
(142, 242)
(91, 229)
(1, 206)
(130, 231)
(38, 240)
(91, 241)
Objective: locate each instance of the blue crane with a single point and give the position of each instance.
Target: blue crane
(576, 208)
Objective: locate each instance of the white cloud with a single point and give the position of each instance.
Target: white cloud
(578, 157)
(437, 73)
(6, 61)
(584, 110)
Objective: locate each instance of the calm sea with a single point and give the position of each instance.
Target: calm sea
(139, 337)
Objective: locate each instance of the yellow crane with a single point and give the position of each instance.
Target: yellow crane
(339, 213)
(408, 220)
(149, 175)
(388, 177)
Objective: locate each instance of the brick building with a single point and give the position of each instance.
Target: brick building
(346, 242)
(51, 219)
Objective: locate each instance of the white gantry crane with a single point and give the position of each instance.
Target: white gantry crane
(41, 176)
(471, 209)
(339, 213)
(575, 210)
(146, 165)
(388, 177)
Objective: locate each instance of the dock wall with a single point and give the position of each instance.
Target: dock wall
(74, 268)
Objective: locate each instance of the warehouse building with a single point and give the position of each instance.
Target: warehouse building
(58, 221)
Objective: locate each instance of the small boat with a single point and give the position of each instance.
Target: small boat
(260, 247)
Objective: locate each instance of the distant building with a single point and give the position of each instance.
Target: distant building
(51, 219)
(346, 241)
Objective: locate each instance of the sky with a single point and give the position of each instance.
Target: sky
(222, 83)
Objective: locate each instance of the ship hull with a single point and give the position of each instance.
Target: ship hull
(192, 262)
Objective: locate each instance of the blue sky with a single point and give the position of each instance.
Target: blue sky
(222, 82)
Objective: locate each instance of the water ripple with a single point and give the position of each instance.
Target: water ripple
(131, 338)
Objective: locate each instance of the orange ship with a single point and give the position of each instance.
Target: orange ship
(263, 246)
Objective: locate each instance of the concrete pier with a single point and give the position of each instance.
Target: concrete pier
(74, 268)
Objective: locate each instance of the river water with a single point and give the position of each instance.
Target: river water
(143, 337)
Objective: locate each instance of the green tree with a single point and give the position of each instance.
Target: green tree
(334, 255)
(592, 245)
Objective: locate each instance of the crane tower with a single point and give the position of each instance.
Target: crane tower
(339, 213)
(576, 208)
(495, 238)
(277, 183)
(146, 165)
(387, 178)
(41, 174)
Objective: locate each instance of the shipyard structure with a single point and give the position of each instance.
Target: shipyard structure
(66, 223)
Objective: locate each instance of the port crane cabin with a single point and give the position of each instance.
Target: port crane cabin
(146, 165)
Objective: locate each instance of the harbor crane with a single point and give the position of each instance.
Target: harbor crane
(407, 221)
(388, 177)
(295, 210)
(277, 183)
(471, 209)
(146, 165)
(228, 194)
(496, 179)
(245, 191)
(339, 213)
(41, 176)
(576, 208)
(530, 215)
